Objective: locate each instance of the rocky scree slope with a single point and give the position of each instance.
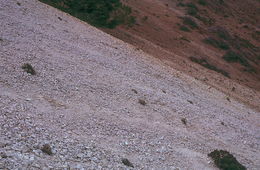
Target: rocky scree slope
(86, 101)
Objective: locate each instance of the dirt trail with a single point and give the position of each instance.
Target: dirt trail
(84, 101)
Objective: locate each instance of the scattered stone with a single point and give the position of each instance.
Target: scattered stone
(190, 101)
(142, 102)
(135, 91)
(126, 162)
(3, 155)
(46, 148)
(184, 121)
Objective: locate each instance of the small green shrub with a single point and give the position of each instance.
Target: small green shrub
(28, 68)
(181, 4)
(192, 9)
(192, 5)
(225, 161)
(204, 63)
(189, 22)
(221, 1)
(185, 39)
(205, 20)
(145, 18)
(202, 2)
(222, 33)
(233, 57)
(245, 43)
(100, 13)
(184, 28)
(216, 43)
(256, 35)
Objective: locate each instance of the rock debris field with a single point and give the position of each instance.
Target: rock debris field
(96, 102)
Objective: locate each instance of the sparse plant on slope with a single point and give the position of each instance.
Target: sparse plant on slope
(28, 68)
(225, 161)
(184, 28)
(216, 43)
(100, 13)
(233, 57)
(202, 2)
(192, 9)
(189, 22)
(204, 63)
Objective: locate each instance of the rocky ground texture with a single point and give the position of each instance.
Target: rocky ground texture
(96, 100)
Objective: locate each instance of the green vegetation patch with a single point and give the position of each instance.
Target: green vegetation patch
(245, 43)
(192, 9)
(204, 63)
(216, 43)
(184, 28)
(100, 13)
(233, 57)
(28, 68)
(225, 161)
(202, 2)
(189, 22)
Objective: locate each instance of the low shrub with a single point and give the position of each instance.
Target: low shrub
(204, 63)
(28, 68)
(225, 161)
(233, 57)
(202, 2)
(189, 22)
(206, 20)
(221, 32)
(145, 18)
(216, 43)
(100, 13)
(245, 43)
(184, 28)
(181, 4)
(184, 39)
(191, 9)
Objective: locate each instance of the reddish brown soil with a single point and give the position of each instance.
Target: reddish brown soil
(157, 32)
